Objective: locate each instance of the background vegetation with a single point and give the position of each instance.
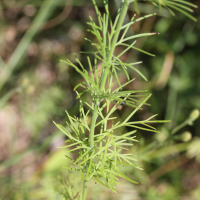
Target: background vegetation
(36, 88)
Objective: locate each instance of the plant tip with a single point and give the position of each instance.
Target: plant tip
(155, 33)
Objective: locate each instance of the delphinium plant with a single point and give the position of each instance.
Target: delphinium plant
(101, 151)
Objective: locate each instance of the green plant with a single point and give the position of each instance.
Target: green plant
(101, 154)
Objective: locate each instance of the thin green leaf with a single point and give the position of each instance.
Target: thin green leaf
(98, 13)
(182, 11)
(136, 36)
(136, 109)
(123, 44)
(129, 65)
(125, 177)
(116, 90)
(67, 132)
(137, 20)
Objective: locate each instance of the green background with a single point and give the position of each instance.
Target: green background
(36, 89)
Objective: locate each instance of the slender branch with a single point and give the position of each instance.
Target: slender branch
(185, 123)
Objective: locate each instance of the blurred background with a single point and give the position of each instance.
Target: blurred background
(36, 89)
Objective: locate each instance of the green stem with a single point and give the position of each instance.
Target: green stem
(92, 127)
(185, 123)
(171, 107)
(103, 81)
(84, 189)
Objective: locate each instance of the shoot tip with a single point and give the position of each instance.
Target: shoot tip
(155, 33)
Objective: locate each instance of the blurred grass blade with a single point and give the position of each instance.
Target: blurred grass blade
(7, 96)
(2, 63)
(45, 11)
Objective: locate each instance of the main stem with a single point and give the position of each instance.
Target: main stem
(104, 76)
(84, 189)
